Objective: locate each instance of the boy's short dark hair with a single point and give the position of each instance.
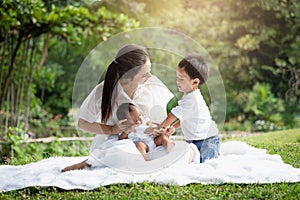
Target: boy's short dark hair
(195, 66)
(123, 110)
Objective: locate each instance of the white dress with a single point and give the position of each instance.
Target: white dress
(151, 98)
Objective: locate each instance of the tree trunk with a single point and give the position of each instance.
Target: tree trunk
(23, 78)
(13, 106)
(43, 59)
(3, 48)
(27, 105)
(2, 62)
(41, 63)
(7, 115)
(45, 50)
(11, 69)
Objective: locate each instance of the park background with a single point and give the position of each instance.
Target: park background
(254, 44)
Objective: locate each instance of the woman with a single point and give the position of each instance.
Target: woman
(128, 79)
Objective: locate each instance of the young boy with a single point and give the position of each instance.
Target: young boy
(193, 114)
(143, 142)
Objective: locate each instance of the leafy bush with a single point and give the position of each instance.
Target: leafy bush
(261, 108)
(261, 125)
(29, 152)
(234, 125)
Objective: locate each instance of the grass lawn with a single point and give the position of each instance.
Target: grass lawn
(285, 143)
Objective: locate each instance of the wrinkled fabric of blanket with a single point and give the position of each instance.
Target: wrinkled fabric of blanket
(240, 163)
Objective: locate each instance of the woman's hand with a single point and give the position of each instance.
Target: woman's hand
(123, 126)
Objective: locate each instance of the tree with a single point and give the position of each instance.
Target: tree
(251, 42)
(27, 31)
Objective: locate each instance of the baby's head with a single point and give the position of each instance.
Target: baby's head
(130, 112)
(195, 67)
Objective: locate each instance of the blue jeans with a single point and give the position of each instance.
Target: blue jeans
(209, 148)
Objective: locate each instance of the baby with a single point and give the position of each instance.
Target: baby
(143, 142)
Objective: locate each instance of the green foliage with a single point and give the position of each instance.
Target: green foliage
(23, 27)
(33, 18)
(31, 152)
(258, 110)
(237, 125)
(11, 142)
(274, 138)
(262, 103)
(73, 28)
(262, 108)
(261, 125)
(154, 191)
(65, 59)
(251, 42)
(254, 43)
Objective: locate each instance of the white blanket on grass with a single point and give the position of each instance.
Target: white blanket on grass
(240, 163)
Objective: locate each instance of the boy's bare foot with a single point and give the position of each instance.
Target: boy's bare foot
(77, 166)
(170, 146)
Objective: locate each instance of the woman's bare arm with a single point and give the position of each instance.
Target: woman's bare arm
(98, 128)
(123, 136)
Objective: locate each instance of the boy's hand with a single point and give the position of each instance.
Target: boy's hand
(150, 130)
(165, 131)
(152, 126)
(170, 130)
(158, 132)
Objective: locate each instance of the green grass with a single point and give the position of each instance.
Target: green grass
(285, 143)
(152, 191)
(276, 137)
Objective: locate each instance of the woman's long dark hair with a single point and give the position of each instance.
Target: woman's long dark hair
(129, 58)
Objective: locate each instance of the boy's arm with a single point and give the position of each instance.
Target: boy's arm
(168, 121)
(162, 128)
(171, 129)
(176, 125)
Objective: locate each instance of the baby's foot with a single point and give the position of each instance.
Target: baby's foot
(170, 146)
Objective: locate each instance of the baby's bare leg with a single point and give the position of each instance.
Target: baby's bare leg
(76, 166)
(165, 142)
(158, 140)
(143, 148)
(170, 146)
